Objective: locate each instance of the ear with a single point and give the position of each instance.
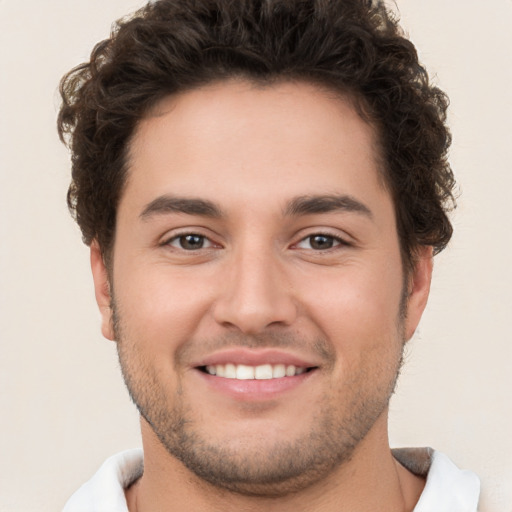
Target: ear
(418, 289)
(102, 291)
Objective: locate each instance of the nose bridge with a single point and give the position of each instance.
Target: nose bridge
(256, 293)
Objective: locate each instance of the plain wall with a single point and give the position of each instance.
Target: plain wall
(63, 405)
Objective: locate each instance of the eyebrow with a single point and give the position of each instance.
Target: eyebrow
(189, 206)
(306, 205)
(302, 205)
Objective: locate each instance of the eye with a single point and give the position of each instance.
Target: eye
(190, 242)
(319, 242)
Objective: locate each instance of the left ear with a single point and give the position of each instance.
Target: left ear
(418, 288)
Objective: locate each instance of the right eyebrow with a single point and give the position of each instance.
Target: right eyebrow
(172, 204)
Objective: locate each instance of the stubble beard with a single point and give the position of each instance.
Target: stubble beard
(276, 469)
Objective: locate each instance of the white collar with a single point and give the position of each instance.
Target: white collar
(448, 489)
(104, 492)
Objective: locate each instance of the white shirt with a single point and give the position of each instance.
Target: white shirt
(447, 489)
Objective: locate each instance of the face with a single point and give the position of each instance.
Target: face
(259, 300)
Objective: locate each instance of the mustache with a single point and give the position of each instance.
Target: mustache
(320, 347)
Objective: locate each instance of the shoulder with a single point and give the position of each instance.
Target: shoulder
(447, 488)
(105, 490)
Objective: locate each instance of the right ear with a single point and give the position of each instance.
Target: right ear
(102, 291)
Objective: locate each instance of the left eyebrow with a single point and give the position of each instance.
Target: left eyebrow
(189, 206)
(306, 205)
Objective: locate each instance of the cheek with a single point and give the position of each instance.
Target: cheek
(355, 307)
(159, 309)
(361, 322)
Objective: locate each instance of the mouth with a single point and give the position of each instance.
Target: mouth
(256, 375)
(259, 372)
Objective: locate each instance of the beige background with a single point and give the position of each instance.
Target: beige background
(63, 406)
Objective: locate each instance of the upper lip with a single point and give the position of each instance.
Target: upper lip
(255, 358)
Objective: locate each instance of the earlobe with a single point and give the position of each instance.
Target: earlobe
(418, 289)
(102, 291)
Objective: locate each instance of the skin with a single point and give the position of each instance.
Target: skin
(261, 281)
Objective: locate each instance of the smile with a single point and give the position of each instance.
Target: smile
(260, 372)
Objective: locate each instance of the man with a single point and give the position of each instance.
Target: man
(263, 185)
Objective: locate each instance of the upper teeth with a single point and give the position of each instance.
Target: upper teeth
(244, 372)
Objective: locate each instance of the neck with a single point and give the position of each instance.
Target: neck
(168, 485)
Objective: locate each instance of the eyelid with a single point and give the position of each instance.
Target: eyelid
(340, 240)
(175, 242)
(175, 235)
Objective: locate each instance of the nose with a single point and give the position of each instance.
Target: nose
(256, 294)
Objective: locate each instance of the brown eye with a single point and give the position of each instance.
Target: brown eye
(190, 242)
(319, 242)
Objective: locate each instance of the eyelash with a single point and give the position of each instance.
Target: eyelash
(180, 239)
(183, 236)
(335, 240)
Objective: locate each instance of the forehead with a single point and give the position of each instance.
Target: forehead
(238, 140)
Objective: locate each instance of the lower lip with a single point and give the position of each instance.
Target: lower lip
(255, 389)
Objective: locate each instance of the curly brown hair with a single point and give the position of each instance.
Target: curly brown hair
(355, 47)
